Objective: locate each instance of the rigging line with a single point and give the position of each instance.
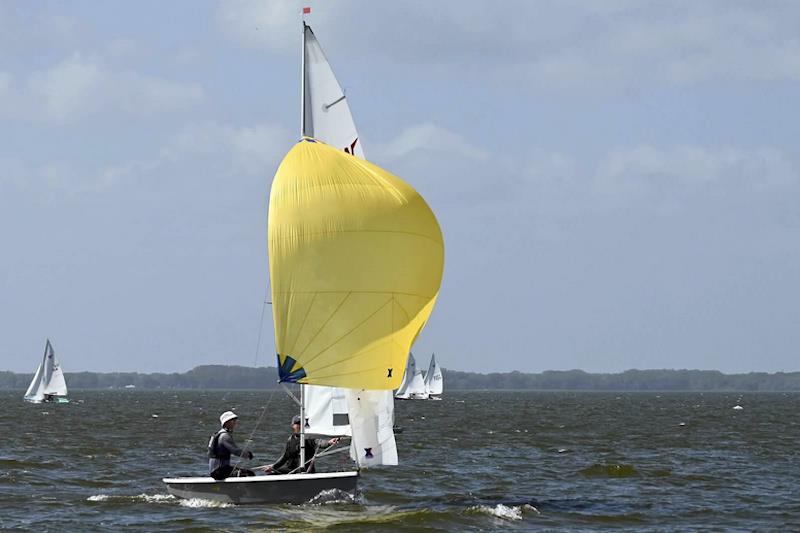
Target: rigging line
(260, 418)
(328, 451)
(261, 327)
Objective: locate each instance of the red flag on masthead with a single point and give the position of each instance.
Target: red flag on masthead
(306, 10)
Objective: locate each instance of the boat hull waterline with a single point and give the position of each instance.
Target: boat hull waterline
(289, 488)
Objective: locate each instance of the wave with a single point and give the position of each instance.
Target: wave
(146, 498)
(331, 496)
(200, 503)
(505, 512)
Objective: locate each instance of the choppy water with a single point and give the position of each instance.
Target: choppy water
(474, 461)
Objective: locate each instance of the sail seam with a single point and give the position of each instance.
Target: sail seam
(325, 323)
(354, 328)
(424, 296)
(334, 231)
(302, 324)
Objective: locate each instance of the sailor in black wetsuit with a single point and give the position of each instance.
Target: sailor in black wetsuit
(290, 460)
(221, 447)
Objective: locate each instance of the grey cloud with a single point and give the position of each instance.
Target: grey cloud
(81, 86)
(548, 45)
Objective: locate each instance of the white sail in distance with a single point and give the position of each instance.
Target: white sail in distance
(411, 369)
(434, 383)
(49, 378)
(325, 115)
(413, 386)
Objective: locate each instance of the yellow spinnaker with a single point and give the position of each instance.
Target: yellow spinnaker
(355, 259)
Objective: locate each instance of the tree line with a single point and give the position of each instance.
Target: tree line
(239, 377)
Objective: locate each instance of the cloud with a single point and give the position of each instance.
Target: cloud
(81, 86)
(274, 25)
(253, 149)
(32, 28)
(429, 137)
(547, 45)
(642, 166)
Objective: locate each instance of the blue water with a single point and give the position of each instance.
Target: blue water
(474, 461)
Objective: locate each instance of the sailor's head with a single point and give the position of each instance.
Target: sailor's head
(228, 420)
(296, 423)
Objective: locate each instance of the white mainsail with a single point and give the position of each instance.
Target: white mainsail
(413, 386)
(411, 369)
(434, 383)
(49, 378)
(325, 115)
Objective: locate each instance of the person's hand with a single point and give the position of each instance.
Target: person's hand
(248, 455)
(265, 468)
(333, 441)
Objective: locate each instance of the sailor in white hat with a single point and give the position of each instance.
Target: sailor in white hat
(221, 447)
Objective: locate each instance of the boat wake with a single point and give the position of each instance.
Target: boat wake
(145, 498)
(200, 503)
(331, 496)
(156, 498)
(505, 512)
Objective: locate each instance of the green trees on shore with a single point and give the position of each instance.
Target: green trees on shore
(240, 377)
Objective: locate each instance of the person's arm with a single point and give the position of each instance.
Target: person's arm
(226, 441)
(322, 444)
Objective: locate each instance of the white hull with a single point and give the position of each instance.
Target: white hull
(288, 488)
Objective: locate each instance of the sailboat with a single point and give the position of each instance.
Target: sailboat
(356, 259)
(413, 385)
(48, 384)
(434, 382)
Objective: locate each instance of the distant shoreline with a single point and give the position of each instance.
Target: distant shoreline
(224, 377)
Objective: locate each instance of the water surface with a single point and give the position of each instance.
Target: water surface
(473, 461)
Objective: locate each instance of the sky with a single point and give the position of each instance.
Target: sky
(618, 182)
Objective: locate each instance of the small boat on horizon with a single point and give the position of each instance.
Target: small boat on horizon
(418, 385)
(48, 384)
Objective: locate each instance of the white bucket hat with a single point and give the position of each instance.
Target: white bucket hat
(227, 415)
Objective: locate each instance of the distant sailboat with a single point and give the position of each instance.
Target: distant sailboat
(413, 386)
(434, 382)
(48, 384)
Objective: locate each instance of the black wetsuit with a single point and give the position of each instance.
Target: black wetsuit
(290, 460)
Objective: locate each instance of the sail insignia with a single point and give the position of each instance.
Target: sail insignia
(287, 373)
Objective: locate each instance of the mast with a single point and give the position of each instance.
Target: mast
(302, 134)
(303, 83)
